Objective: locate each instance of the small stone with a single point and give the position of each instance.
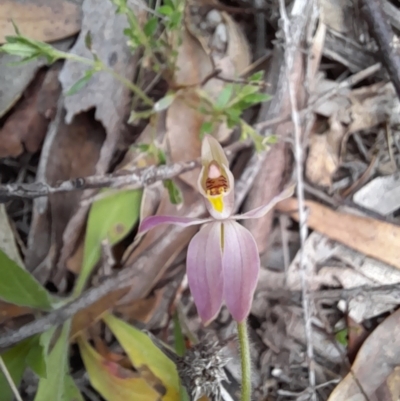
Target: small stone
(220, 38)
(213, 18)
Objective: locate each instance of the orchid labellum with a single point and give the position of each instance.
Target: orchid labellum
(222, 260)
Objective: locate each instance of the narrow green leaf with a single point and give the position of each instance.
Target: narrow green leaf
(37, 357)
(206, 128)
(19, 49)
(341, 336)
(19, 287)
(78, 85)
(179, 340)
(142, 351)
(88, 40)
(233, 116)
(224, 97)
(257, 76)
(15, 26)
(14, 359)
(251, 100)
(175, 195)
(71, 391)
(150, 27)
(164, 103)
(165, 10)
(52, 387)
(110, 218)
(136, 116)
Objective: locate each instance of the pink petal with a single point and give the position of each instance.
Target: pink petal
(150, 222)
(240, 265)
(264, 209)
(204, 271)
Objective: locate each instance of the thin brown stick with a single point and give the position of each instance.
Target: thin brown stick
(136, 179)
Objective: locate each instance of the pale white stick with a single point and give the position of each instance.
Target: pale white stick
(298, 154)
(9, 379)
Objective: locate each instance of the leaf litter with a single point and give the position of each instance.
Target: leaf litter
(74, 242)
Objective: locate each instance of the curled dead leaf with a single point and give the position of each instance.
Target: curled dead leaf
(374, 368)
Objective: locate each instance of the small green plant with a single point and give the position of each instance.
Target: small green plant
(229, 106)
(159, 36)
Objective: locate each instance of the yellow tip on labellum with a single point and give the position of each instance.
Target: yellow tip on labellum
(217, 202)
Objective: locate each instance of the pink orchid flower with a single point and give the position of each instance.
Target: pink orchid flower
(222, 259)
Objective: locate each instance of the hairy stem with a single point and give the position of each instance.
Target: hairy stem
(245, 360)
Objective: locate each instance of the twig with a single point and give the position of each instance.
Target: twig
(136, 179)
(298, 154)
(388, 42)
(133, 180)
(9, 379)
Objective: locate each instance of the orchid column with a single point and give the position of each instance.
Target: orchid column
(222, 260)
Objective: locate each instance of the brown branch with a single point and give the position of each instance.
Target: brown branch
(387, 41)
(136, 179)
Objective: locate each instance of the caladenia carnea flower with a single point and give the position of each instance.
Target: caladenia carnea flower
(222, 259)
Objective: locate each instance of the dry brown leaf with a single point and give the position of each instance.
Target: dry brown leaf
(14, 80)
(70, 151)
(376, 361)
(92, 314)
(362, 108)
(238, 50)
(141, 310)
(374, 238)
(9, 311)
(357, 334)
(183, 128)
(323, 156)
(26, 128)
(45, 20)
(103, 92)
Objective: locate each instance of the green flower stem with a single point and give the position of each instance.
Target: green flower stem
(245, 360)
(100, 66)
